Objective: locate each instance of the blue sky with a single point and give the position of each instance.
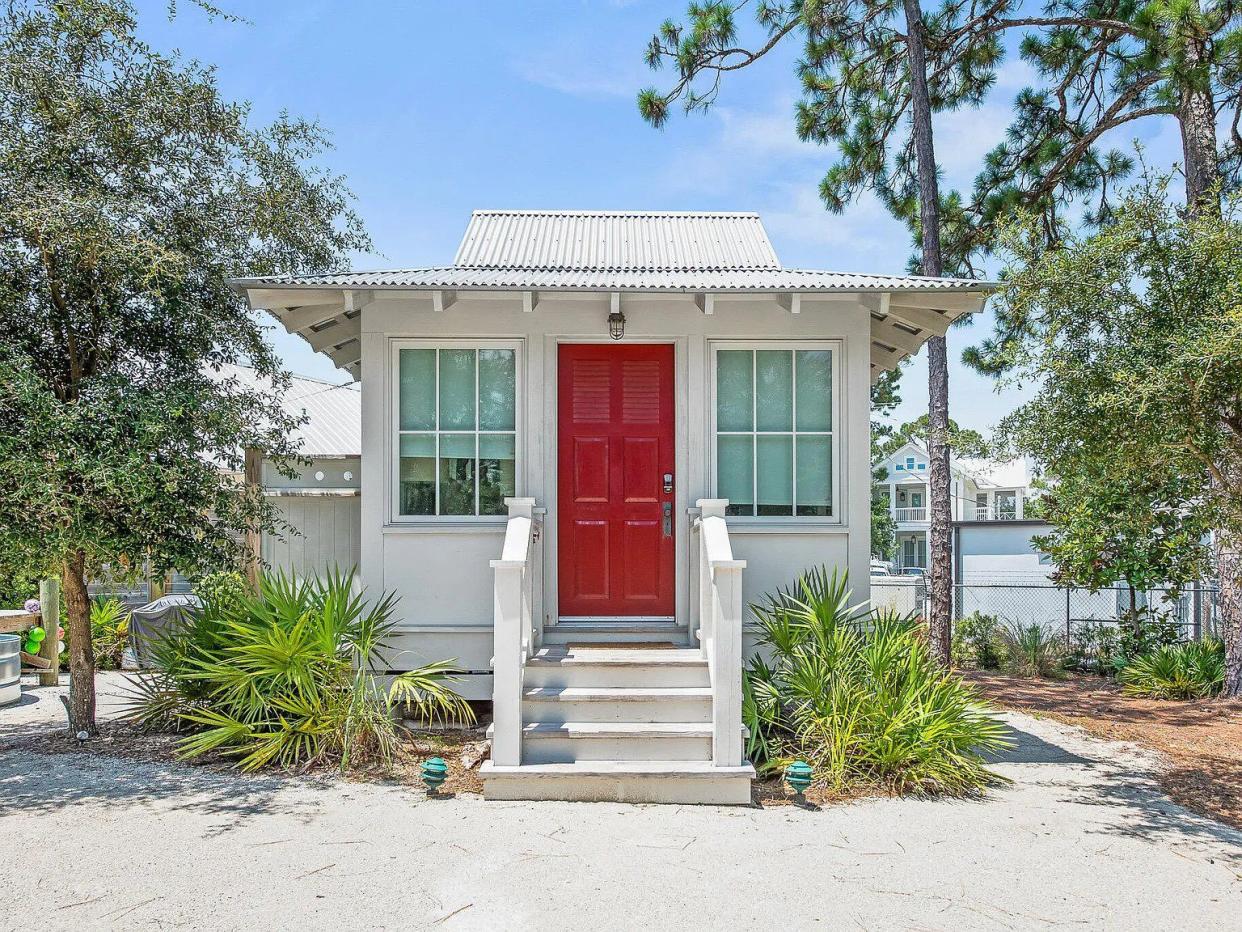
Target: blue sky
(439, 108)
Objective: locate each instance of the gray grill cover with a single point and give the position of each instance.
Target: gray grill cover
(148, 623)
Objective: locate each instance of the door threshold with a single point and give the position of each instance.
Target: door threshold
(655, 621)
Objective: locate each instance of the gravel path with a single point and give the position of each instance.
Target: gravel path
(1082, 838)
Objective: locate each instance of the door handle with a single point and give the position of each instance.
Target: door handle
(667, 508)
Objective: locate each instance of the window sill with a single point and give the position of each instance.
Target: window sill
(447, 526)
(778, 526)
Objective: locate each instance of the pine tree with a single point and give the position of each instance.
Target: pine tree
(869, 89)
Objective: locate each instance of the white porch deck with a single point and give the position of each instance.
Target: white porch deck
(656, 720)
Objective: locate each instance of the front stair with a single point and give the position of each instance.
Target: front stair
(630, 724)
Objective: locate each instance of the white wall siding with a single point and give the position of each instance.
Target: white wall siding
(326, 534)
(441, 570)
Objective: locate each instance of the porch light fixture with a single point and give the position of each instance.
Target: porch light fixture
(616, 325)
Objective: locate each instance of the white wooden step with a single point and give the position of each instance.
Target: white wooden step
(635, 630)
(612, 667)
(569, 742)
(617, 704)
(621, 781)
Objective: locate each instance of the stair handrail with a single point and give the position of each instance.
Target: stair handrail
(720, 629)
(516, 630)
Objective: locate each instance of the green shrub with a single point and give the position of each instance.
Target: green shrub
(1094, 647)
(1143, 631)
(109, 632)
(226, 588)
(977, 643)
(859, 697)
(1032, 650)
(1194, 670)
(288, 677)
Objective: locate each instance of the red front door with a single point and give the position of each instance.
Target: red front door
(615, 452)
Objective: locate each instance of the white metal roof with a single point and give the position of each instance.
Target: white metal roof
(652, 280)
(333, 412)
(614, 240)
(617, 252)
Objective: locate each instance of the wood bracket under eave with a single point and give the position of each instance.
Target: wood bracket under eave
(348, 355)
(441, 301)
(790, 302)
(614, 302)
(530, 301)
(357, 300)
(706, 303)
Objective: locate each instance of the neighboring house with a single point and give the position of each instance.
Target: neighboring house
(992, 533)
(601, 427)
(320, 507)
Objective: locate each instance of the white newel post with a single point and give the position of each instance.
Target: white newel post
(720, 597)
(511, 620)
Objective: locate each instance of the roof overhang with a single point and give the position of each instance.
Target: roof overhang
(903, 318)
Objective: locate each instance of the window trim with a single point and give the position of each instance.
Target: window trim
(836, 435)
(395, 432)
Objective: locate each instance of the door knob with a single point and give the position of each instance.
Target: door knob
(668, 519)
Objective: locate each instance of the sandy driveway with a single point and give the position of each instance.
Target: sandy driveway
(1083, 838)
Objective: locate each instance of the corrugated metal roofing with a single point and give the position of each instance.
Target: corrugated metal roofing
(770, 280)
(615, 240)
(334, 412)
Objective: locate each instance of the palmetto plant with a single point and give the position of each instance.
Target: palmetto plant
(289, 676)
(1032, 650)
(858, 694)
(1194, 670)
(109, 631)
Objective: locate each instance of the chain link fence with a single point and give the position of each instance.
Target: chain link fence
(1068, 611)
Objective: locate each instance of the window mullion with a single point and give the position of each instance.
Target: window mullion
(754, 435)
(793, 440)
(477, 427)
(436, 422)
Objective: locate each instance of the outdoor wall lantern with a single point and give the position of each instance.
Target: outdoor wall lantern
(616, 324)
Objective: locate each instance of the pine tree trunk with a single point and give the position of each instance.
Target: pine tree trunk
(81, 653)
(1197, 117)
(1229, 609)
(940, 548)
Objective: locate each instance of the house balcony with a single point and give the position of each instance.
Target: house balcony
(1002, 513)
(910, 515)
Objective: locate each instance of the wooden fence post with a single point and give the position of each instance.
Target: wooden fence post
(49, 608)
(253, 477)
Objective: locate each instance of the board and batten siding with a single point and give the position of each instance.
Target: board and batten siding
(440, 567)
(324, 508)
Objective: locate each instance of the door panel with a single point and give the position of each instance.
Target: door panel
(615, 443)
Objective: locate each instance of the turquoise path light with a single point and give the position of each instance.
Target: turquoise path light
(433, 772)
(798, 775)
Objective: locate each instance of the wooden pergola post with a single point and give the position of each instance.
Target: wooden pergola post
(49, 650)
(253, 477)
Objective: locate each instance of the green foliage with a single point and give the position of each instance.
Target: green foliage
(1133, 338)
(1194, 670)
(1094, 648)
(1032, 650)
(224, 589)
(859, 697)
(977, 642)
(109, 632)
(963, 440)
(131, 192)
(288, 677)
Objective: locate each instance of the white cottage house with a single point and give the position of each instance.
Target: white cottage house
(586, 445)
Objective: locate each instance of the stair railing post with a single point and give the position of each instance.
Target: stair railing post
(721, 609)
(727, 686)
(511, 618)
